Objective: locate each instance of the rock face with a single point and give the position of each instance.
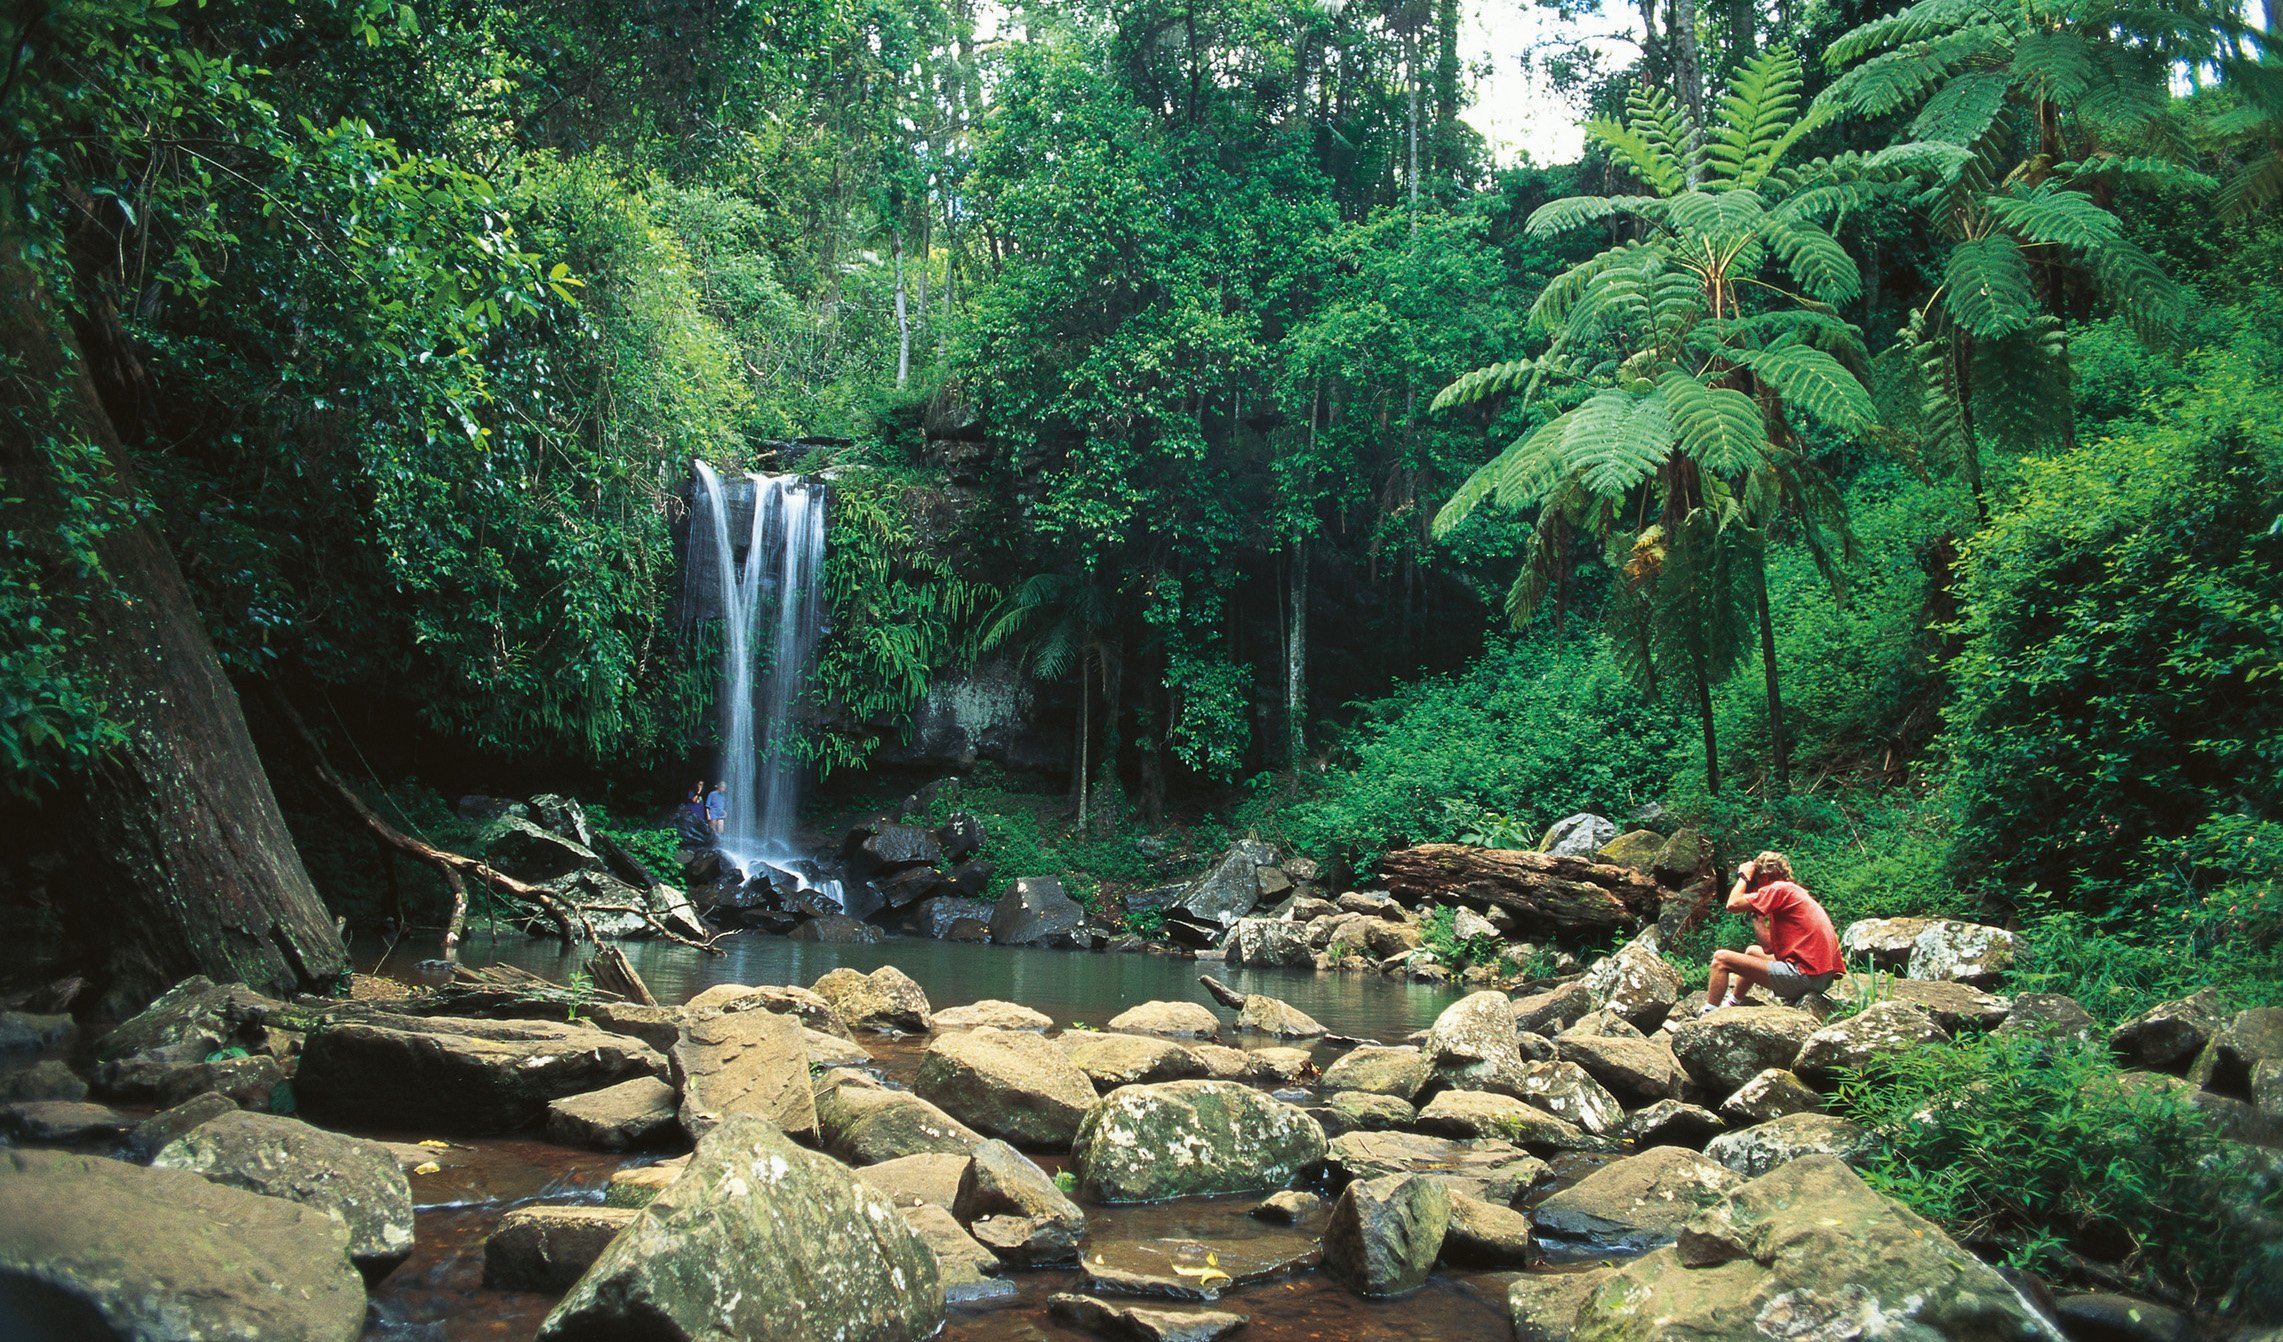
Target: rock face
(357, 1184)
(162, 1255)
(759, 1238)
(1232, 888)
(1806, 1252)
(1955, 952)
(1174, 1020)
(1386, 1233)
(1754, 1151)
(467, 1076)
(548, 1248)
(1730, 1046)
(746, 1062)
(1633, 1205)
(1035, 910)
(885, 999)
(1268, 941)
(617, 1118)
(1880, 1029)
(2167, 1037)
(1191, 1139)
(1013, 1085)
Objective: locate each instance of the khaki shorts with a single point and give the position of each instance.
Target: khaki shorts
(1785, 981)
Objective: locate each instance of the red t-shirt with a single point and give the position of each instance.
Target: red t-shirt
(1799, 931)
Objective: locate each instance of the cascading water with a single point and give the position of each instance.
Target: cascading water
(782, 565)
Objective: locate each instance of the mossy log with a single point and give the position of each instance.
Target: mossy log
(1551, 895)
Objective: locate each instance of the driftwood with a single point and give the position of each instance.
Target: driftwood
(612, 973)
(1546, 894)
(1229, 997)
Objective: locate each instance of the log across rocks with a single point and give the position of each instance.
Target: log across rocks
(1559, 894)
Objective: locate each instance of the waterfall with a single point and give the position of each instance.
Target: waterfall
(777, 582)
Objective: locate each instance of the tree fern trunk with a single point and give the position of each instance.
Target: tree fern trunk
(1704, 714)
(1779, 745)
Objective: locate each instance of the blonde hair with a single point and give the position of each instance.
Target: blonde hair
(1771, 866)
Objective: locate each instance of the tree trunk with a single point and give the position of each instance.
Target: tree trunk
(182, 863)
(1779, 748)
(1296, 662)
(1704, 715)
(1548, 894)
(903, 317)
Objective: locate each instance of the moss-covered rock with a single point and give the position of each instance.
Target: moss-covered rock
(1191, 1139)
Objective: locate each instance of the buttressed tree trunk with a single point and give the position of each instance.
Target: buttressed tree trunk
(181, 862)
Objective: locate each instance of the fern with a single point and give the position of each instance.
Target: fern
(1720, 428)
(2054, 66)
(1818, 264)
(2054, 215)
(1615, 441)
(1961, 112)
(1813, 381)
(1758, 119)
(1919, 23)
(1987, 286)
(1512, 476)
(1570, 212)
(1483, 383)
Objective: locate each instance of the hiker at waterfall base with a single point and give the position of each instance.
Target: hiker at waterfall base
(1795, 950)
(690, 818)
(717, 808)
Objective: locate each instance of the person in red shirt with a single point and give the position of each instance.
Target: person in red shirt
(1796, 950)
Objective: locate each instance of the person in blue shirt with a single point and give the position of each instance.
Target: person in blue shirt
(717, 809)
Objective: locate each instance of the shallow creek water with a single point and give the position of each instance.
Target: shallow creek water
(438, 1295)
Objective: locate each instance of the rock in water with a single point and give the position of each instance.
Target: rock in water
(885, 999)
(471, 1076)
(1191, 1139)
(1035, 910)
(1142, 1323)
(1633, 1205)
(548, 1248)
(1173, 1020)
(1113, 1060)
(1637, 983)
(1231, 889)
(616, 1118)
(356, 1183)
(1013, 1085)
(1267, 1015)
(1378, 1070)
(1268, 941)
(747, 1062)
(1734, 1044)
(162, 1255)
(759, 1238)
(1386, 1233)
(994, 1013)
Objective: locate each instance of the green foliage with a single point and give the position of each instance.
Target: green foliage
(2042, 1152)
(1487, 829)
(652, 845)
(1437, 934)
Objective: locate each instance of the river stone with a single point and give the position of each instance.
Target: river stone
(1580, 835)
(1035, 909)
(1639, 1071)
(1756, 1150)
(1378, 1070)
(1729, 1047)
(1288, 1208)
(1012, 1085)
(1191, 1139)
(1948, 951)
(885, 999)
(966, 1268)
(1224, 1063)
(445, 1074)
(1674, 1123)
(1113, 1060)
(355, 1182)
(29, 1032)
(759, 1238)
(250, 1082)
(1882, 943)
(1637, 983)
(1552, 1010)
(1269, 942)
(2103, 1316)
(186, 1024)
(1564, 1090)
(1386, 1233)
(828, 1051)
(1954, 1006)
(748, 1062)
(2167, 1037)
(1482, 1113)
(1602, 1023)
(61, 1122)
(1477, 1029)
(2050, 1015)
(657, 1026)
(48, 1079)
(1631, 1206)
(1771, 1095)
(1879, 1030)
(151, 1136)
(871, 1126)
(636, 1185)
(1362, 1111)
(1267, 1015)
(1492, 1170)
(534, 854)
(812, 1008)
(994, 1013)
(837, 929)
(1027, 1241)
(931, 1177)
(1544, 1306)
(1485, 1235)
(1142, 1323)
(160, 1255)
(1231, 889)
(548, 1248)
(1174, 1020)
(937, 916)
(1001, 1181)
(616, 1118)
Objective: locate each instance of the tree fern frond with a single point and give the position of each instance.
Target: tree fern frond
(2051, 214)
(1527, 465)
(1987, 286)
(1720, 428)
(1666, 127)
(1758, 119)
(1936, 160)
(1918, 23)
(2144, 171)
(1814, 382)
(1961, 111)
(1483, 383)
(1617, 440)
(2258, 185)
(1552, 308)
(1817, 263)
(2054, 66)
(2021, 388)
(1560, 216)
(2150, 300)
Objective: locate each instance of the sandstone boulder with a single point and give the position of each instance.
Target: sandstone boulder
(885, 999)
(995, 1014)
(1386, 1233)
(1012, 1085)
(1191, 1139)
(1495, 1171)
(1486, 1235)
(356, 1184)
(1770, 1095)
(1947, 951)
(1637, 983)
(1882, 943)
(1756, 1150)
(1729, 1047)
(1636, 1071)
(623, 1117)
(1674, 1123)
(1173, 1020)
(1270, 942)
(446, 1074)
(1878, 1030)
(1267, 1015)
(1378, 1070)
(1113, 1060)
(548, 1248)
(1631, 1206)
(748, 1062)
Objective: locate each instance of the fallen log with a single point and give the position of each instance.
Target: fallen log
(1546, 894)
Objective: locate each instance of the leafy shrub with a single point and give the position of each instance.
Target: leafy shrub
(1438, 934)
(653, 846)
(2042, 1153)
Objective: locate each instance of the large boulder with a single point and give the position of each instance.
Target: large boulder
(2168, 1036)
(1631, 1206)
(930, 1177)
(1268, 941)
(1378, 1070)
(994, 1013)
(1674, 1123)
(1113, 1060)
(549, 1248)
(623, 1117)
(745, 1062)
(1637, 1071)
(445, 1074)
(187, 1024)
(1580, 835)
(1954, 1006)
(1809, 1251)
(1771, 1095)
(2244, 1054)
(1016, 1209)
(866, 1123)
(1566, 1091)
(1482, 1113)
(1232, 888)
(1635, 848)
(355, 1183)
(938, 916)
(1386, 1233)
(1494, 1171)
(152, 1255)
(1473, 1045)
(533, 853)
(1174, 1020)
(1878, 1030)
(1263, 1014)
(1729, 1047)
(1882, 943)
(1685, 859)
(1035, 910)
(1486, 1235)
(1191, 1139)
(2050, 1015)
(1756, 1150)
(1947, 951)
(1009, 1084)
(885, 999)
(1553, 1010)
(1637, 983)
(759, 1238)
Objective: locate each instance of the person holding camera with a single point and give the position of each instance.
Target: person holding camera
(1795, 950)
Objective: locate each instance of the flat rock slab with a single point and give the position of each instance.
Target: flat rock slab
(355, 1182)
(463, 1076)
(61, 1121)
(910, 1181)
(617, 1118)
(1492, 1170)
(746, 1062)
(1009, 1084)
(1183, 1269)
(1148, 1325)
(968, 1269)
(548, 1248)
(994, 1013)
(1191, 1139)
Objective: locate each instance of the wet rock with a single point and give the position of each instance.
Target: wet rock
(49, 1079)
(865, 1124)
(1001, 1181)
(836, 929)
(1729, 1047)
(1267, 1015)
(1882, 943)
(531, 853)
(1770, 1095)
(1954, 952)
(447, 1074)
(936, 917)
(1756, 1150)
(1378, 1070)
(2234, 1061)
(355, 1183)
(1012, 1085)
(61, 1121)
(931, 1178)
(885, 999)
(1631, 1206)
(806, 1005)
(636, 1185)
(1232, 888)
(1269, 942)
(747, 1062)
(1954, 1006)
(1173, 1020)
(1191, 1139)
(251, 1082)
(1495, 1171)
(1290, 1207)
(623, 1117)
(1386, 940)
(1033, 911)
(1361, 1111)
(890, 846)
(1553, 1010)
(187, 1024)
(1674, 1123)
(961, 837)
(1385, 1234)
(2052, 1015)
(1486, 1236)
(1142, 1323)
(1113, 1060)
(548, 1248)
(1580, 835)
(993, 1013)
(1480, 1113)
(1879, 1030)
(1027, 1241)
(829, 1051)
(1545, 1307)
(759, 1238)
(159, 1255)
(1637, 1071)
(2104, 1316)
(966, 1267)
(28, 1032)
(1372, 904)
(1637, 983)
(1564, 1090)
(2167, 1037)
